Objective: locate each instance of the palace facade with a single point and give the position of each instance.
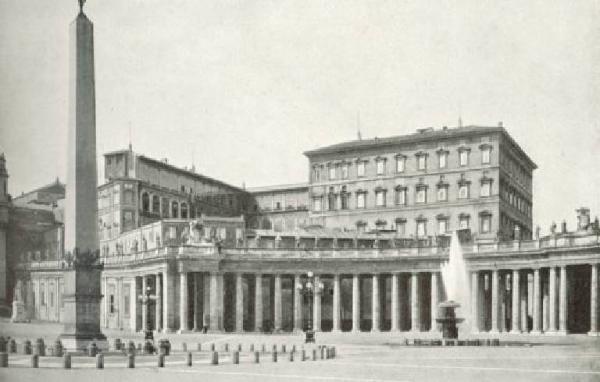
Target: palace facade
(372, 224)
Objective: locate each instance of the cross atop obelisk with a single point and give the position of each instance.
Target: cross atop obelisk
(81, 3)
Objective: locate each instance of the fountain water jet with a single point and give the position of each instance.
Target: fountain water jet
(455, 278)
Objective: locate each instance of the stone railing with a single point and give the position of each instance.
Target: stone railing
(321, 253)
(549, 242)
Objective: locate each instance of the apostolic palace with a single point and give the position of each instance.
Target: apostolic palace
(372, 223)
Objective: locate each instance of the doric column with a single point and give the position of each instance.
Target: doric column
(277, 303)
(196, 298)
(297, 305)
(355, 303)
(516, 316)
(105, 305)
(167, 301)
(537, 299)
(594, 300)
(239, 303)
(336, 303)
(183, 302)
(120, 303)
(524, 302)
(158, 306)
(144, 304)
(552, 292)
(375, 304)
(214, 302)
(395, 307)
(495, 301)
(562, 314)
(434, 300)
(414, 303)
(317, 306)
(258, 304)
(475, 302)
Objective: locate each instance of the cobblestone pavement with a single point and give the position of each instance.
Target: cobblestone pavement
(360, 357)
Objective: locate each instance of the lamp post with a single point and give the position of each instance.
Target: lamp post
(310, 289)
(145, 300)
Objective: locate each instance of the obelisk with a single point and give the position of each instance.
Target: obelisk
(82, 294)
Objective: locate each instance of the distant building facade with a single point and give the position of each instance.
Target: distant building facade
(425, 184)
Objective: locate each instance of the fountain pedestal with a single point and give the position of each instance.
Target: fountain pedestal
(446, 317)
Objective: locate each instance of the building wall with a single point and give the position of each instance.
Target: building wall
(279, 208)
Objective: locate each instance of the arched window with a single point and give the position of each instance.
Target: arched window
(331, 199)
(184, 211)
(145, 202)
(175, 210)
(165, 208)
(155, 204)
(344, 198)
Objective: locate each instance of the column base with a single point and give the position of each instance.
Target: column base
(594, 334)
(375, 331)
(168, 330)
(561, 333)
(183, 331)
(355, 331)
(336, 331)
(535, 332)
(494, 331)
(515, 332)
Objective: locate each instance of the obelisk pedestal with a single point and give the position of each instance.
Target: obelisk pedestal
(82, 294)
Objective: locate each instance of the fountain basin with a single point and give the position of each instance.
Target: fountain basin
(446, 317)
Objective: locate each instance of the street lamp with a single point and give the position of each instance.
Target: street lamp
(310, 288)
(145, 299)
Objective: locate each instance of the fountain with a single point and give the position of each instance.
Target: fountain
(456, 280)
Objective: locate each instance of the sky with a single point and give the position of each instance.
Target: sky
(241, 89)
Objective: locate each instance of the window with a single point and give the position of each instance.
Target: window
(442, 194)
(463, 191)
(400, 226)
(485, 155)
(361, 226)
(380, 198)
(331, 197)
(172, 232)
(317, 204)
(421, 194)
(442, 225)
(485, 188)
(316, 174)
(117, 194)
(331, 172)
(145, 202)
(345, 171)
(380, 166)
(51, 298)
(361, 199)
(443, 159)
(155, 204)
(400, 196)
(463, 156)
(184, 211)
(165, 208)
(463, 221)
(111, 299)
(400, 163)
(422, 162)
(485, 223)
(421, 228)
(42, 294)
(344, 198)
(360, 168)
(175, 210)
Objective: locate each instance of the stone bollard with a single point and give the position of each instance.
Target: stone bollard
(291, 356)
(164, 347)
(303, 358)
(67, 361)
(58, 348)
(212, 347)
(215, 358)
(3, 359)
(274, 349)
(235, 357)
(148, 347)
(99, 361)
(251, 347)
(274, 355)
(283, 349)
(256, 357)
(333, 352)
(161, 360)
(2, 344)
(314, 355)
(239, 347)
(293, 349)
(117, 344)
(40, 347)
(131, 361)
(184, 347)
(322, 352)
(188, 359)
(12, 346)
(35, 361)
(199, 347)
(27, 348)
(92, 349)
